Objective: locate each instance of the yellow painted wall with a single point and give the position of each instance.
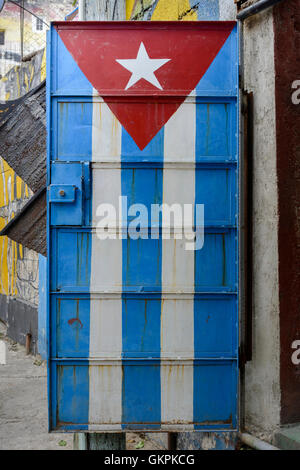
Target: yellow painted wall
(129, 8)
(172, 10)
(11, 26)
(43, 66)
(12, 189)
(18, 264)
(167, 10)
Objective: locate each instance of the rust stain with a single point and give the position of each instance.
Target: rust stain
(207, 129)
(162, 322)
(145, 326)
(82, 242)
(74, 375)
(216, 423)
(73, 320)
(58, 310)
(115, 129)
(224, 260)
(133, 185)
(158, 273)
(227, 133)
(128, 261)
(87, 257)
(156, 188)
(60, 385)
(174, 270)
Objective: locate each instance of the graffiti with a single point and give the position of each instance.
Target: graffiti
(22, 78)
(18, 265)
(162, 10)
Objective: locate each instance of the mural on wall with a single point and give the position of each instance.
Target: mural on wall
(185, 10)
(22, 69)
(18, 265)
(24, 77)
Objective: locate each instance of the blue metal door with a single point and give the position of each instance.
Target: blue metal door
(143, 310)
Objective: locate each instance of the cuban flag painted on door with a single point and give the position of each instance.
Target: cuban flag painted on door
(142, 225)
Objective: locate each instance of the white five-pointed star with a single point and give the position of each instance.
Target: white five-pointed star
(142, 67)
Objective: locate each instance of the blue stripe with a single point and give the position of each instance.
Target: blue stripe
(141, 395)
(215, 306)
(153, 152)
(74, 118)
(141, 309)
(221, 78)
(73, 393)
(141, 326)
(67, 78)
(72, 315)
(214, 324)
(214, 394)
(70, 131)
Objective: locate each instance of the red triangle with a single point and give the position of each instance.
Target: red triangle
(143, 109)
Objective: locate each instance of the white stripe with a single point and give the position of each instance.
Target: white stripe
(105, 387)
(177, 316)
(177, 329)
(107, 132)
(105, 405)
(106, 328)
(180, 132)
(177, 396)
(106, 189)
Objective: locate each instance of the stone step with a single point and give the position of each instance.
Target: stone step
(288, 438)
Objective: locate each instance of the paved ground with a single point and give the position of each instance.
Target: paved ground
(23, 403)
(23, 406)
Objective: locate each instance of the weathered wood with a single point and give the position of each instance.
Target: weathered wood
(23, 138)
(28, 227)
(23, 147)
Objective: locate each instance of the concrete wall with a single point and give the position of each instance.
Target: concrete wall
(262, 386)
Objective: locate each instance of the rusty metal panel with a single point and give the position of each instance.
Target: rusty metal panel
(143, 292)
